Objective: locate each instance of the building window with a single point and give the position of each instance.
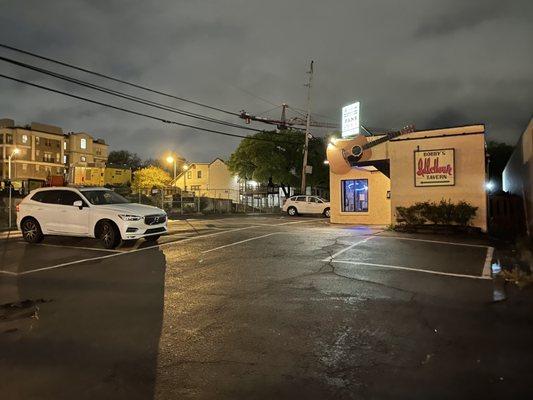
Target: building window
(64, 145)
(47, 157)
(199, 174)
(37, 140)
(83, 159)
(47, 142)
(83, 143)
(9, 138)
(24, 139)
(189, 175)
(64, 159)
(354, 195)
(1, 138)
(24, 167)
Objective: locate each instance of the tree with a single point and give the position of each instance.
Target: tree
(125, 158)
(149, 177)
(499, 154)
(278, 159)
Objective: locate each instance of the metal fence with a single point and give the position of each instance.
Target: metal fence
(176, 202)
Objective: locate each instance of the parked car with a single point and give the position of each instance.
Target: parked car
(306, 205)
(88, 212)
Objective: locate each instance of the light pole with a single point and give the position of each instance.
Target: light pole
(15, 152)
(185, 168)
(172, 160)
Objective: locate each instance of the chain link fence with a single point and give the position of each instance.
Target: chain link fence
(177, 202)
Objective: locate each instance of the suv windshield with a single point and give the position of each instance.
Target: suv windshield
(100, 197)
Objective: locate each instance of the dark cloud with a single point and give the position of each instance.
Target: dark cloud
(462, 15)
(428, 62)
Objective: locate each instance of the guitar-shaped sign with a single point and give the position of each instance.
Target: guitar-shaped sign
(344, 153)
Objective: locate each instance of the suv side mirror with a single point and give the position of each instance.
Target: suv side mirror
(78, 203)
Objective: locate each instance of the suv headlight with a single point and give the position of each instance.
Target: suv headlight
(128, 217)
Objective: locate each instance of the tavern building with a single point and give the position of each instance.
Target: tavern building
(406, 168)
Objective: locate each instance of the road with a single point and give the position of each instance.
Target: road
(260, 308)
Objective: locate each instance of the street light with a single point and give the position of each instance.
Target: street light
(13, 153)
(172, 160)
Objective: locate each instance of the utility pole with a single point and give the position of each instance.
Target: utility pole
(308, 123)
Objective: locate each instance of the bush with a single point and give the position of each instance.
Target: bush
(411, 215)
(442, 213)
(463, 213)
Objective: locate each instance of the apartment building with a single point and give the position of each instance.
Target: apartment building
(209, 180)
(40, 154)
(45, 152)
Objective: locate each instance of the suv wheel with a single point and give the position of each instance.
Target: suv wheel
(327, 213)
(31, 231)
(109, 235)
(292, 211)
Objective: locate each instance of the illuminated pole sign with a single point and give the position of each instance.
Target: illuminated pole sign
(350, 119)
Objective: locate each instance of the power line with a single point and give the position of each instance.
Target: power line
(101, 75)
(166, 121)
(126, 95)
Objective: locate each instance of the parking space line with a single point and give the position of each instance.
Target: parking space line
(295, 222)
(488, 262)
(433, 241)
(241, 241)
(74, 247)
(398, 267)
(330, 258)
(120, 253)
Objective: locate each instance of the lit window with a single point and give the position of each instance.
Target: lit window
(37, 140)
(354, 195)
(83, 143)
(64, 145)
(64, 159)
(83, 159)
(189, 175)
(24, 138)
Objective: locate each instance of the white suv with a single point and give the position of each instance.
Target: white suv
(88, 212)
(306, 205)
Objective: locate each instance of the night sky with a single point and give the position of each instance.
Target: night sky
(431, 63)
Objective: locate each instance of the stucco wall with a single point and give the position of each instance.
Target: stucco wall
(379, 207)
(469, 172)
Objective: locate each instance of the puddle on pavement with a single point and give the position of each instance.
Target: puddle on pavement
(15, 316)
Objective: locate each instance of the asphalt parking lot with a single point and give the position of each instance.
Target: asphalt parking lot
(259, 307)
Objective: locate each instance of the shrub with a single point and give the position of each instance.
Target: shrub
(442, 213)
(411, 215)
(463, 213)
